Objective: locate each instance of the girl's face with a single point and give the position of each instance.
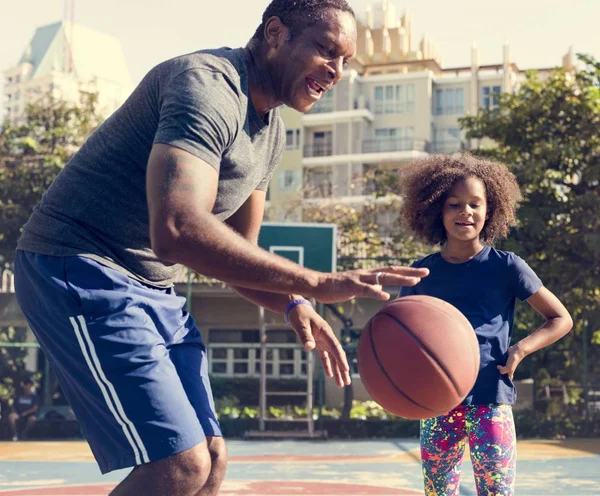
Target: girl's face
(465, 210)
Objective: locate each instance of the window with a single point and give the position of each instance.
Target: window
(449, 101)
(322, 144)
(318, 183)
(325, 104)
(292, 139)
(17, 79)
(384, 133)
(410, 97)
(289, 180)
(447, 140)
(393, 139)
(490, 97)
(17, 95)
(394, 99)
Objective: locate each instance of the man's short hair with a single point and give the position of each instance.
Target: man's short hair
(299, 14)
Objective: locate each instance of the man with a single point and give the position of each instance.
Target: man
(23, 411)
(178, 176)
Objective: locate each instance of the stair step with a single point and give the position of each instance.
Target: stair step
(286, 393)
(288, 420)
(285, 435)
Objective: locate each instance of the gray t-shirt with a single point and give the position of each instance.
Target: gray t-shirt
(199, 102)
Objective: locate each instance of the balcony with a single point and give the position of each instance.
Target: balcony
(322, 107)
(324, 112)
(318, 150)
(369, 151)
(445, 147)
(313, 191)
(383, 145)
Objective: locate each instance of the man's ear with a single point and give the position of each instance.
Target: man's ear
(275, 32)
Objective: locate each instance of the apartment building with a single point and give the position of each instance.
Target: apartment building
(396, 103)
(64, 59)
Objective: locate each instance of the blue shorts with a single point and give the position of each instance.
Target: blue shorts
(129, 358)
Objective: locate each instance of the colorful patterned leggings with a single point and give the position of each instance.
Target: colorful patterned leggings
(490, 430)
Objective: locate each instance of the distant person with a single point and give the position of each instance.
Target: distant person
(178, 176)
(23, 411)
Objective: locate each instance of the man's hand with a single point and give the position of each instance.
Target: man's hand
(515, 355)
(315, 333)
(344, 286)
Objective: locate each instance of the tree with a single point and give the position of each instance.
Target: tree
(33, 152)
(547, 131)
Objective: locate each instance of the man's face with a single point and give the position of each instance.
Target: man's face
(313, 61)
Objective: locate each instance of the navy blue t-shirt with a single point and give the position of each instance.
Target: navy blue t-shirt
(485, 290)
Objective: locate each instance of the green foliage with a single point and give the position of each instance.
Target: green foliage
(547, 131)
(363, 242)
(32, 153)
(12, 363)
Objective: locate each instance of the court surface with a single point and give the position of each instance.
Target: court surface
(289, 468)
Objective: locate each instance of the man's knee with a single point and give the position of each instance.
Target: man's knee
(189, 469)
(193, 465)
(13, 417)
(218, 453)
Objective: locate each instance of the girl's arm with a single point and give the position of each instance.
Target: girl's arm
(558, 323)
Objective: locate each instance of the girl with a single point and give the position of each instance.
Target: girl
(464, 204)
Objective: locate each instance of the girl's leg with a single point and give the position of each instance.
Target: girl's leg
(443, 441)
(493, 444)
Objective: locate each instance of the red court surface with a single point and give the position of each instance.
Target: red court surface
(251, 488)
(295, 468)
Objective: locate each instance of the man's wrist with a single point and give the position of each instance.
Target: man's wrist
(314, 280)
(293, 304)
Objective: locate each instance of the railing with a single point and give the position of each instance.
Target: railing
(382, 145)
(323, 106)
(393, 107)
(284, 360)
(448, 146)
(320, 190)
(318, 150)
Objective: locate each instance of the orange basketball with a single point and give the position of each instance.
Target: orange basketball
(418, 357)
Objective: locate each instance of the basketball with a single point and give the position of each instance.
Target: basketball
(418, 357)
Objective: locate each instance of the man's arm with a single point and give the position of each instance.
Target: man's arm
(181, 192)
(247, 222)
(314, 332)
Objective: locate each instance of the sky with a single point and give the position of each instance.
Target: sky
(539, 32)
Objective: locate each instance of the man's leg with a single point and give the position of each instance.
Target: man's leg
(188, 354)
(443, 441)
(107, 338)
(183, 474)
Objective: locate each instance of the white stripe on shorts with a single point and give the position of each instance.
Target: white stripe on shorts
(108, 390)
